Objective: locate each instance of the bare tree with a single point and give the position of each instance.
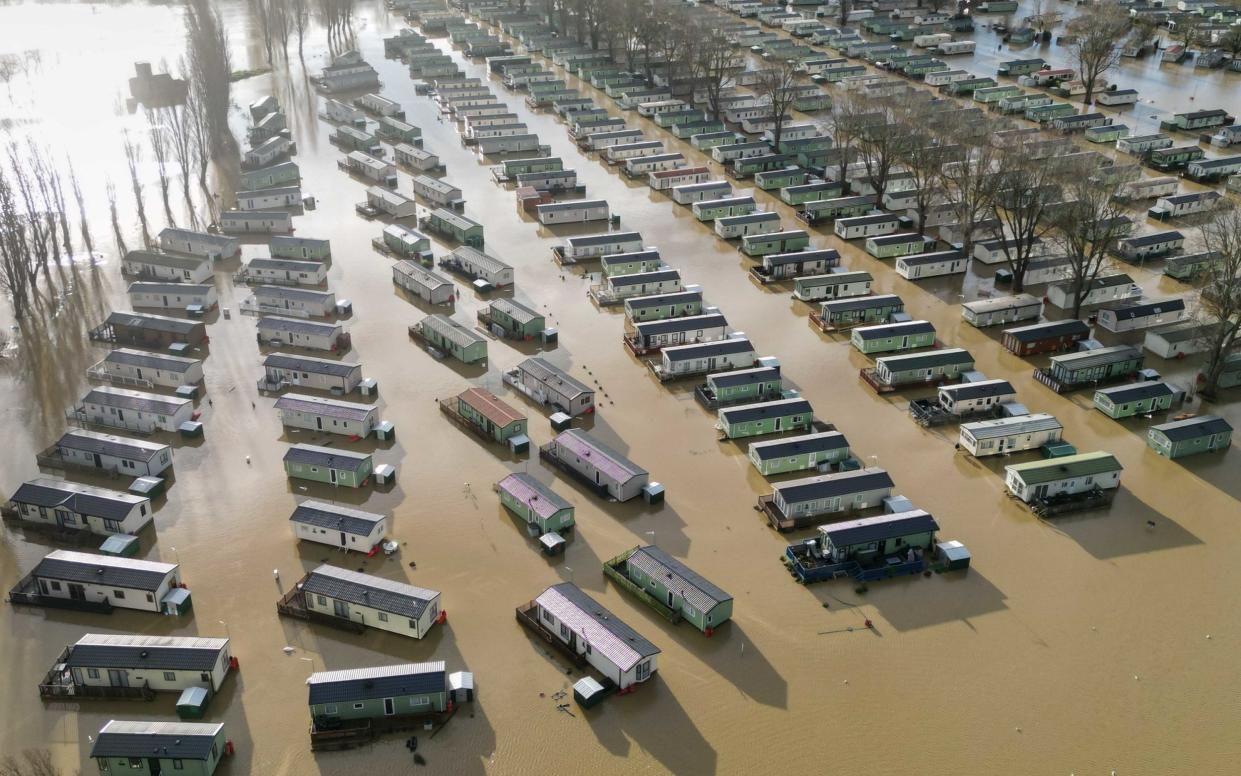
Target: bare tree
(159, 143)
(716, 62)
(1086, 229)
(1026, 188)
(33, 762)
(923, 157)
(118, 234)
(777, 88)
(261, 10)
(178, 123)
(1219, 302)
(1097, 34)
(200, 137)
(16, 260)
(1188, 31)
(210, 70)
(884, 140)
(1230, 42)
(844, 8)
(133, 158)
(83, 221)
(40, 235)
(300, 12)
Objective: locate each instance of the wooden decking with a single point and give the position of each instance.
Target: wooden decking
(527, 615)
(26, 592)
(359, 732)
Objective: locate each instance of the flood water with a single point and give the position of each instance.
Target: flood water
(1093, 643)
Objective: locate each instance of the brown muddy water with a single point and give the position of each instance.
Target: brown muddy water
(1087, 645)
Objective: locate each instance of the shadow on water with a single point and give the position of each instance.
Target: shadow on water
(1129, 527)
(653, 719)
(903, 601)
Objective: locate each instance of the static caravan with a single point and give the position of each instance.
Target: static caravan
(1174, 158)
(281, 174)
(769, 180)
(1198, 119)
(477, 131)
(152, 663)
(139, 367)
(709, 141)
(1073, 370)
(726, 154)
(255, 222)
(865, 309)
(1179, 205)
(484, 413)
(933, 264)
(1144, 398)
(1190, 265)
(765, 417)
(793, 264)
(1047, 270)
(664, 180)
(359, 697)
(549, 385)
(455, 226)
(540, 507)
(1107, 133)
(405, 242)
(689, 194)
(301, 333)
(1203, 434)
(797, 502)
(212, 246)
(993, 251)
(809, 192)
(645, 260)
(119, 455)
(1009, 435)
(704, 358)
(1046, 337)
(874, 224)
(47, 501)
(838, 207)
(111, 582)
(1150, 246)
(578, 211)
(343, 113)
(611, 647)
(653, 335)
(769, 243)
(286, 271)
(658, 307)
(300, 248)
(282, 370)
(415, 158)
(741, 386)
(703, 128)
(619, 139)
(1214, 170)
(1108, 288)
(1114, 97)
(380, 106)
(611, 473)
(554, 181)
(332, 416)
(1001, 310)
(1143, 144)
(834, 285)
(397, 131)
(266, 153)
(619, 287)
(620, 152)
(372, 601)
(328, 465)
(338, 526)
(350, 139)
(730, 227)
(1143, 314)
(645, 165)
(489, 146)
(666, 580)
(917, 368)
(724, 207)
(265, 199)
(172, 296)
(1081, 122)
(798, 453)
(474, 263)
(592, 246)
(376, 170)
(133, 410)
(151, 331)
(1066, 475)
(658, 107)
(451, 337)
(970, 398)
(892, 245)
(391, 203)
(159, 747)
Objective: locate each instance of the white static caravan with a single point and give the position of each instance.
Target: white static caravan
(1048, 269)
(391, 203)
(1009, 435)
(1180, 339)
(478, 131)
(931, 264)
(1065, 475)
(416, 158)
(578, 211)
(489, 146)
(299, 333)
(652, 109)
(338, 526)
(665, 180)
(153, 265)
(299, 410)
(612, 474)
(1108, 288)
(211, 246)
(834, 285)
(547, 384)
(266, 153)
(1179, 205)
(438, 192)
(160, 663)
(125, 583)
(265, 199)
(256, 222)
(678, 331)
(47, 501)
(380, 106)
(1147, 188)
(871, 225)
(422, 283)
(477, 264)
(701, 192)
(131, 457)
(281, 370)
(343, 113)
(373, 601)
(1143, 314)
(610, 646)
(592, 246)
(1117, 97)
(622, 151)
(661, 281)
(138, 367)
(377, 170)
(606, 141)
(134, 410)
(171, 296)
(284, 299)
(642, 166)
(286, 271)
(736, 352)
(730, 227)
(992, 251)
(300, 248)
(548, 180)
(967, 398)
(1001, 310)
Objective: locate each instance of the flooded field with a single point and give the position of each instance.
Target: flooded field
(1100, 642)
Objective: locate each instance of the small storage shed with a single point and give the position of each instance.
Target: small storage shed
(1066, 475)
(1203, 434)
(337, 525)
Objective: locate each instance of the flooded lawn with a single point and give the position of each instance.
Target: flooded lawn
(1100, 641)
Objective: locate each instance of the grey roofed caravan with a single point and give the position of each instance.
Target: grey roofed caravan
(326, 456)
(979, 390)
(323, 515)
(1191, 428)
(324, 366)
(545, 372)
(107, 444)
(77, 498)
(615, 640)
(832, 485)
(677, 577)
(134, 400)
(152, 322)
(142, 358)
(188, 653)
(176, 740)
(367, 590)
(103, 570)
(328, 408)
(870, 529)
(359, 684)
(707, 349)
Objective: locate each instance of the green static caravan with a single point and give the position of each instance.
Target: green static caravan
(711, 209)
(779, 179)
(966, 86)
(705, 141)
(1074, 370)
(751, 165)
(810, 192)
(1107, 134)
(511, 168)
(935, 366)
(787, 241)
(834, 285)
(1126, 401)
(819, 210)
(376, 693)
(994, 94)
(759, 222)
(1045, 114)
(1016, 67)
(1191, 265)
(486, 413)
(146, 748)
(674, 587)
(760, 383)
(660, 307)
(808, 103)
(892, 245)
(675, 118)
(1196, 120)
(893, 337)
(445, 334)
(799, 453)
(692, 129)
(1174, 158)
(399, 131)
(328, 464)
(1020, 103)
(454, 225)
(350, 139)
(837, 74)
(645, 260)
(1230, 377)
(538, 505)
(768, 417)
(792, 144)
(793, 264)
(865, 309)
(1203, 434)
(514, 319)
